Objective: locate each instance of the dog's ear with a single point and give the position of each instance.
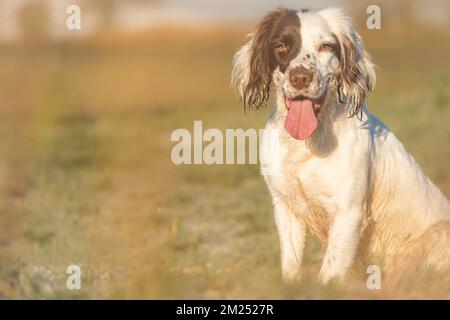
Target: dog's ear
(240, 76)
(254, 63)
(356, 77)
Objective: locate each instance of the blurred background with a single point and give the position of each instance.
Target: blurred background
(85, 123)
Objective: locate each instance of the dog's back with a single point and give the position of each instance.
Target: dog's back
(410, 216)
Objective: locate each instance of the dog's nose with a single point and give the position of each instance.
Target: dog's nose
(300, 77)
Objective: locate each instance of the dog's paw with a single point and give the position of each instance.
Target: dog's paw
(328, 275)
(291, 276)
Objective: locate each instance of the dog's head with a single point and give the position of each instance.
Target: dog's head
(309, 57)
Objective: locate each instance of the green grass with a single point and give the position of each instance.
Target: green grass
(86, 176)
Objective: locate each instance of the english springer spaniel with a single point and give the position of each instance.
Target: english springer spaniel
(334, 168)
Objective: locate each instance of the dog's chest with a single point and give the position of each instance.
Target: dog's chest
(295, 176)
(302, 181)
(301, 187)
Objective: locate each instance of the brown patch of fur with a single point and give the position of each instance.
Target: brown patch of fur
(423, 261)
(317, 220)
(275, 43)
(430, 250)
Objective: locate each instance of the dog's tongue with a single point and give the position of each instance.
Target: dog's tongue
(301, 120)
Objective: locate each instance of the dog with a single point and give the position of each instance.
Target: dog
(336, 170)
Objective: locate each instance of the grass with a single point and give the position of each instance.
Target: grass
(86, 176)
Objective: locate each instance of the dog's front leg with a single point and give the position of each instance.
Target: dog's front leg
(343, 240)
(292, 234)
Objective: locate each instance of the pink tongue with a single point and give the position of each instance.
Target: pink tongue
(301, 120)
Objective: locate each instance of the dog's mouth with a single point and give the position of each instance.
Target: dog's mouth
(301, 120)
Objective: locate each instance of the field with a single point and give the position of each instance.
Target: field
(86, 176)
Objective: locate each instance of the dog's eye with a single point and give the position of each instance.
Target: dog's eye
(326, 47)
(281, 48)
